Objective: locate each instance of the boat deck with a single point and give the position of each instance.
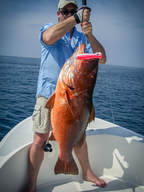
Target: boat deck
(115, 153)
(113, 185)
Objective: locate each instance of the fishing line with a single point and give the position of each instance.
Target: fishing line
(108, 82)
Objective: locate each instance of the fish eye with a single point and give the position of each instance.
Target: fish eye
(71, 88)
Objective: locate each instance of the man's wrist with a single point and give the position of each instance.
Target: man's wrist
(80, 13)
(79, 16)
(76, 18)
(90, 36)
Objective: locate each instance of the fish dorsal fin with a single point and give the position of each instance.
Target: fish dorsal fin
(50, 102)
(92, 114)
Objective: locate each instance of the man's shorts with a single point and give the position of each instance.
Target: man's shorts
(41, 116)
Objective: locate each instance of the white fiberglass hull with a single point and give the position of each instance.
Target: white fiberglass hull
(116, 154)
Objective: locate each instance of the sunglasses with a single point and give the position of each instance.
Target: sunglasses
(66, 11)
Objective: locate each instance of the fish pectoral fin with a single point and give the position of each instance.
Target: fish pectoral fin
(50, 102)
(66, 167)
(92, 114)
(68, 101)
(67, 96)
(52, 137)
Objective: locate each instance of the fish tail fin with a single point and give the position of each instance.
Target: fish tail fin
(66, 167)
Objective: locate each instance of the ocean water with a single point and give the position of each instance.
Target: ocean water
(118, 95)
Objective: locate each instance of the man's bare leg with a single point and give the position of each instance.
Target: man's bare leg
(88, 175)
(36, 156)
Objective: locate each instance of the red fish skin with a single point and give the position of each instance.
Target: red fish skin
(72, 107)
(69, 119)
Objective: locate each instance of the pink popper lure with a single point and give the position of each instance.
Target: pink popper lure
(86, 56)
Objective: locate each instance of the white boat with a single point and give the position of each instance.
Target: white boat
(116, 155)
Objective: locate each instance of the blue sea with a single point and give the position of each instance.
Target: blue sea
(118, 95)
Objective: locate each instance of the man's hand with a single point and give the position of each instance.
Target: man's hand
(95, 44)
(86, 28)
(86, 15)
(83, 14)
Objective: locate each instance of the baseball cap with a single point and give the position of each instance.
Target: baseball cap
(63, 3)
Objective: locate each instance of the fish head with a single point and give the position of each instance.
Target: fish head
(85, 66)
(78, 74)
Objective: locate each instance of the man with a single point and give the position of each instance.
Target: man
(58, 42)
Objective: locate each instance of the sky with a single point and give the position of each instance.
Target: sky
(117, 24)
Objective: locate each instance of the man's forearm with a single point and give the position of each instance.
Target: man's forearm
(97, 47)
(57, 31)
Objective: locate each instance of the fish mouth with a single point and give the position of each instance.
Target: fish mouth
(81, 49)
(75, 69)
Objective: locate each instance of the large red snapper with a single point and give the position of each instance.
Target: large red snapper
(71, 108)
